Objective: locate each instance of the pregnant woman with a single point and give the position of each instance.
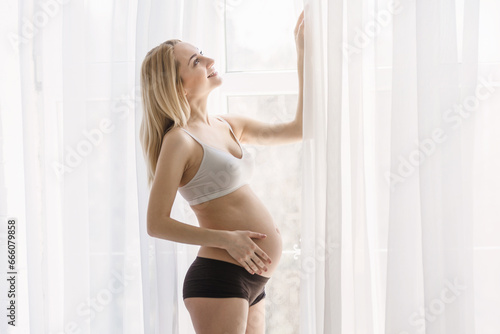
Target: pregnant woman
(202, 157)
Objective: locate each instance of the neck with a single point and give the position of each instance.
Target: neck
(199, 112)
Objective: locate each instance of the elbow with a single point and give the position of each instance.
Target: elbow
(157, 222)
(157, 226)
(152, 227)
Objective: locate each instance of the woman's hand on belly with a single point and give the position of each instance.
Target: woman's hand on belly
(242, 248)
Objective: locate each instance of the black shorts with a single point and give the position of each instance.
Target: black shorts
(220, 279)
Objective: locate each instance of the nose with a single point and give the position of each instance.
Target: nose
(210, 62)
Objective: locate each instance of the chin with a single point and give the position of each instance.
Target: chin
(219, 82)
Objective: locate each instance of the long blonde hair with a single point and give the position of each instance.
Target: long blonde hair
(164, 104)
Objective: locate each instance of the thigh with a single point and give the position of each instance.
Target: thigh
(218, 315)
(256, 323)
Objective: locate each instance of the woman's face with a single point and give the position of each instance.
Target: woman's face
(194, 70)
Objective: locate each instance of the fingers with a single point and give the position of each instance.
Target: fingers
(255, 263)
(299, 21)
(301, 16)
(301, 29)
(247, 267)
(263, 255)
(256, 235)
(258, 251)
(259, 263)
(253, 266)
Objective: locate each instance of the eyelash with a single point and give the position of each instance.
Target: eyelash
(196, 60)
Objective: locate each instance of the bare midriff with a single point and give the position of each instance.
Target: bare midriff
(240, 210)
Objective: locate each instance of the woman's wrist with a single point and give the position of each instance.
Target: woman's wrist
(300, 55)
(220, 238)
(300, 67)
(300, 62)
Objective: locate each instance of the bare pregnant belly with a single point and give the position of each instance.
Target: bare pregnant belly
(240, 210)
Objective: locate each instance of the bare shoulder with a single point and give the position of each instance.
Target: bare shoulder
(175, 137)
(176, 148)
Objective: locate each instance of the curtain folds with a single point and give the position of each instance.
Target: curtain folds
(395, 104)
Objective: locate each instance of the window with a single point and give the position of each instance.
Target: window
(261, 82)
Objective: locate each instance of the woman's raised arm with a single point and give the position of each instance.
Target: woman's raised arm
(254, 132)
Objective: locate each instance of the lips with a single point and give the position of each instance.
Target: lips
(212, 74)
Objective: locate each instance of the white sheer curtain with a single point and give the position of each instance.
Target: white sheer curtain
(68, 150)
(400, 194)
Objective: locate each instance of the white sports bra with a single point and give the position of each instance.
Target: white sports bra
(219, 174)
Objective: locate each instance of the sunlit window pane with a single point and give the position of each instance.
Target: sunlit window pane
(259, 35)
(489, 48)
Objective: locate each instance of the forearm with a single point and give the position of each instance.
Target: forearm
(174, 230)
(300, 99)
